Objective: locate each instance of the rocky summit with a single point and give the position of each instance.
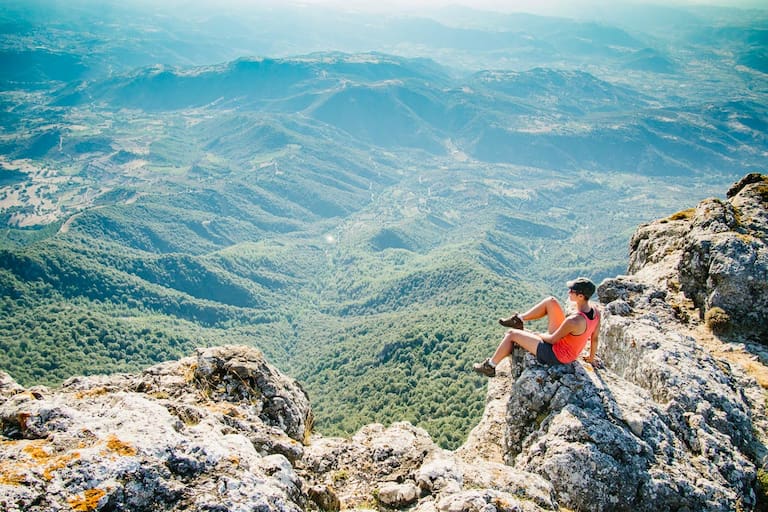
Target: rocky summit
(672, 418)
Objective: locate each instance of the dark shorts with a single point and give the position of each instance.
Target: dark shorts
(545, 354)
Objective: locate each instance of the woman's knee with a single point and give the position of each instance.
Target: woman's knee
(552, 304)
(509, 336)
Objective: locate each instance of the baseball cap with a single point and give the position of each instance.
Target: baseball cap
(582, 285)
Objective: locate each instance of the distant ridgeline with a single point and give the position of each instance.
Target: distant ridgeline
(362, 218)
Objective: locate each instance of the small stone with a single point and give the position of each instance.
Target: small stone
(398, 495)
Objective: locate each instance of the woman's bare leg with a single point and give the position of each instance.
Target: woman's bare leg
(526, 339)
(529, 340)
(550, 308)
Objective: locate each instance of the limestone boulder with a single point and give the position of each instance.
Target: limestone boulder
(215, 431)
(400, 466)
(716, 254)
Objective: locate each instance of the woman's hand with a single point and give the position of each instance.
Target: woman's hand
(594, 361)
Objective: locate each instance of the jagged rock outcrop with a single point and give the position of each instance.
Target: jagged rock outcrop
(662, 424)
(716, 254)
(401, 466)
(217, 431)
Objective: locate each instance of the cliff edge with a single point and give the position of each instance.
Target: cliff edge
(673, 419)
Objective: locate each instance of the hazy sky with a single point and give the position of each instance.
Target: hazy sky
(527, 5)
(499, 5)
(567, 8)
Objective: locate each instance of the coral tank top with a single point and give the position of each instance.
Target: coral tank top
(568, 348)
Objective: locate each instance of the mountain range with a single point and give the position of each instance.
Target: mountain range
(360, 201)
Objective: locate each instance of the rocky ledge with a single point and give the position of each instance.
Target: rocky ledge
(663, 424)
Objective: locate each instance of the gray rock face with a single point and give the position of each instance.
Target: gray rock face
(158, 441)
(401, 466)
(717, 254)
(8, 386)
(662, 425)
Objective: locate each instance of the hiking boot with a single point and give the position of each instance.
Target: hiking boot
(485, 368)
(515, 322)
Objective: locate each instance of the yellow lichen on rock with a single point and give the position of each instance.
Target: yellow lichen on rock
(99, 391)
(88, 502)
(38, 456)
(120, 447)
(11, 476)
(59, 462)
(36, 450)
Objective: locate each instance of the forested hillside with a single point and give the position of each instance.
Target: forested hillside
(363, 217)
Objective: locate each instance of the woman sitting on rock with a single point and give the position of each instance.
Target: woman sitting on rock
(566, 336)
